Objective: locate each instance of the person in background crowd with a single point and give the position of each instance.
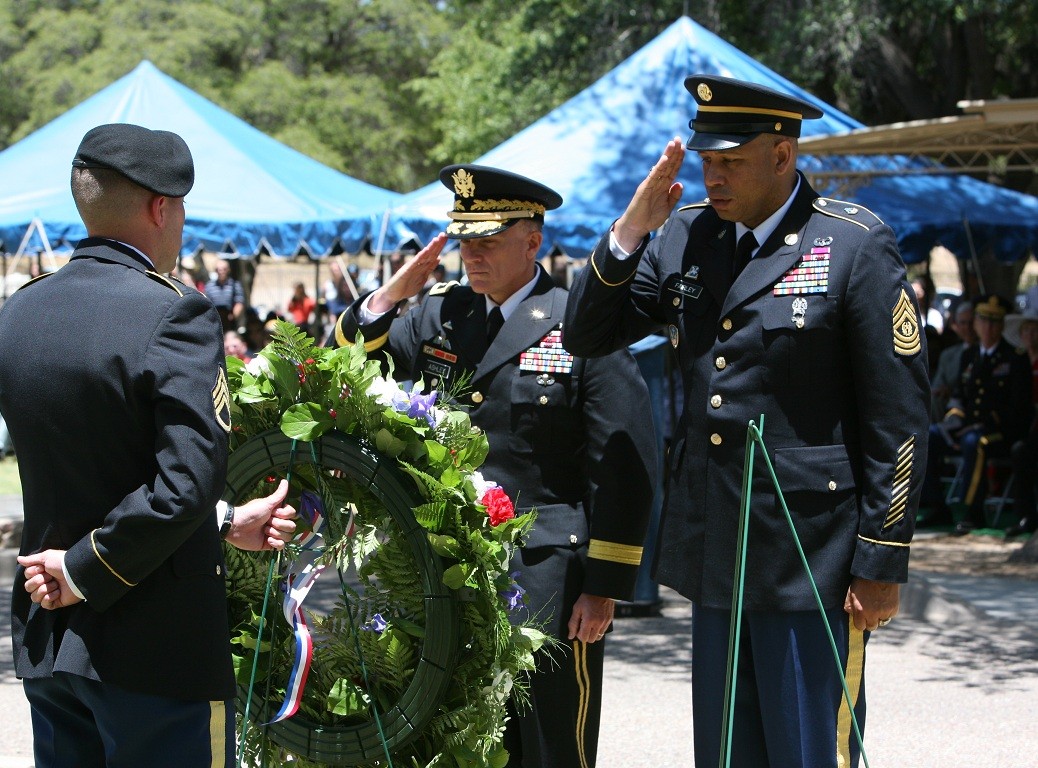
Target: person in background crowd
(119, 615)
(301, 307)
(990, 408)
(1022, 332)
(338, 293)
(227, 296)
(234, 346)
(949, 364)
(569, 437)
(782, 303)
(933, 321)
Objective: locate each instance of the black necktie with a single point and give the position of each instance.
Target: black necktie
(743, 251)
(494, 322)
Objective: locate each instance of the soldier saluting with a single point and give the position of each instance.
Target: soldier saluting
(781, 302)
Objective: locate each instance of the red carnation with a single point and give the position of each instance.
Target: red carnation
(499, 506)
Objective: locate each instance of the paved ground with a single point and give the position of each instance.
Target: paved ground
(952, 682)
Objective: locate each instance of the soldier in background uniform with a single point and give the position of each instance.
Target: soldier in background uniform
(572, 438)
(811, 322)
(112, 381)
(989, 410)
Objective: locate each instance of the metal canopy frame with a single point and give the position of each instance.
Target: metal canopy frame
(991, 136)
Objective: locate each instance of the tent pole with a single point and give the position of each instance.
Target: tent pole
(974, 259)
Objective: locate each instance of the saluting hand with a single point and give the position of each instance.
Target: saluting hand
(409, 279)
(654, 199)
(264, 523)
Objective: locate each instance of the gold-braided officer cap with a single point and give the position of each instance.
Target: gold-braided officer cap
(732, 112)
(489, 200)
(991, 306)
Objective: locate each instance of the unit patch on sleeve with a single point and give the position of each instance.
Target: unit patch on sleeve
(906, 326)
(547, 356)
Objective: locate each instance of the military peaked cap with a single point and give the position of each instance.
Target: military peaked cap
(991, 306)
(489, 200)
(732, 112)
(159, 161)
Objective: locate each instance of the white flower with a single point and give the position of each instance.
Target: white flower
(481, 485)
(385, 391)
(258, 366)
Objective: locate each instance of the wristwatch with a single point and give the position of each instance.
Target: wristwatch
(228, 521)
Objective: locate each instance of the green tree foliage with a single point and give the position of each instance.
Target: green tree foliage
(389, 90)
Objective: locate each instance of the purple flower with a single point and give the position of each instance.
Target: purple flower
(514, 594)
(310, 506)
(377, 624)
(421, 407)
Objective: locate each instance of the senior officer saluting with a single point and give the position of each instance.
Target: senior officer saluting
(812, 323)
(569, 437)
(112, 382)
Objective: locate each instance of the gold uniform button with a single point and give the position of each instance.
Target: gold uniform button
(727, 324)
(716, 439)
(715, 401)
(477, 397)
(573, 538)
(832, 485)
(677, 302)
(219, 570)
(543, 399)
(720, 363)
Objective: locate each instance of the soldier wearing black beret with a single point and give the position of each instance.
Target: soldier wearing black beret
(112, 382)
(779, 302)
(990, 409)
(572, 438)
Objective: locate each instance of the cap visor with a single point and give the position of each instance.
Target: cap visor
(466, 230)
(715, 142)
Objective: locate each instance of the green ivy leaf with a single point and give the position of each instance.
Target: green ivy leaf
(446, 546)
(456, 576)
(306, 421)
(346, 699)
(388, 443)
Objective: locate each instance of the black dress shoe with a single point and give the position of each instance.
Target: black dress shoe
(963, 528)
(1026, 525)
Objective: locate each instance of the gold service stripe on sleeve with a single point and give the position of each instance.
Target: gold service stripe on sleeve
(616, 553)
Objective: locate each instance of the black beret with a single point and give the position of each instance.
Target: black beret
(489, 200)
(159, 161)
(732, 112)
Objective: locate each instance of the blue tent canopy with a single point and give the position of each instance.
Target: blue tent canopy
(251, 192)
(597, 147)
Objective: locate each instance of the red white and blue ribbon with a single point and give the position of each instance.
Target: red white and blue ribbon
(299, 580)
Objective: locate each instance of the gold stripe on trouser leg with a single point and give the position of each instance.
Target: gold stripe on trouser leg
(853, 675)
(584, 689)
(978, 467)
(218, 732)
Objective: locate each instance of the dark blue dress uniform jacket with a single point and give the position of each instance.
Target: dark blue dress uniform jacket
(837, 366)
(112, 383)
(578, 446)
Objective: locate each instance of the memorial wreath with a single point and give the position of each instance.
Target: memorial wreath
(411, 656)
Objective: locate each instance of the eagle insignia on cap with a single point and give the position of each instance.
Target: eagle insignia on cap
(906, 326)
(464, 183)
(704, 92)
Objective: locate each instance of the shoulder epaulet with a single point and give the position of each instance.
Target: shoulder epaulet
(166, 281)
(702, 204)
(34, 280)
(841, 209)
(442, 288)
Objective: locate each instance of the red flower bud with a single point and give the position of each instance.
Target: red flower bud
(332, 413)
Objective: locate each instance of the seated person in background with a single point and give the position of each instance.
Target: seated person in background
(949, 364)
(1022, 331)
(227, 296)
(338, 292)
(989, 410)
(932, 321)
(301, 307)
